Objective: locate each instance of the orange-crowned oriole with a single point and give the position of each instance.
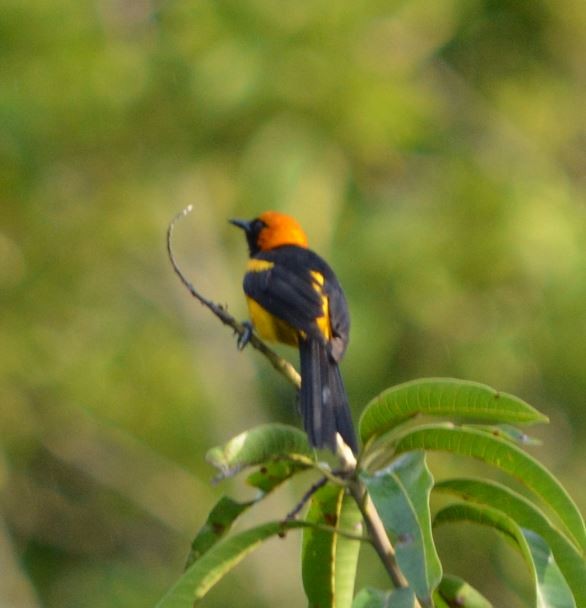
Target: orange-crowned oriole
(294, 297)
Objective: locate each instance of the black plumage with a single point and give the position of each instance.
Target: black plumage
(306, 306)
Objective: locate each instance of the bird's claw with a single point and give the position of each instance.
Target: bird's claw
(244, 337)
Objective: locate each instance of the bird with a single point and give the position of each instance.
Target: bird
(294, 297)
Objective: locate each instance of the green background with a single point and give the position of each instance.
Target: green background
(436, 154)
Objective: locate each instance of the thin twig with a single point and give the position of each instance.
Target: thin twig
(312, 490)
(280, 364)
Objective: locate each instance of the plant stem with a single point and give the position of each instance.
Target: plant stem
(378, 535)
(375, 526)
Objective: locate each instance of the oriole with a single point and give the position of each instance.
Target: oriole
(294, 297)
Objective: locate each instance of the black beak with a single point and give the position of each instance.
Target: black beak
(243, 224)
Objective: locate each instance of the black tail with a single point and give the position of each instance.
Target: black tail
(324, 404)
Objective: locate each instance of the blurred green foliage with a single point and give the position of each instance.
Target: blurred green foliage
(436, 153)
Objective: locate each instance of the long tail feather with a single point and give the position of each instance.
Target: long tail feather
(324, 403)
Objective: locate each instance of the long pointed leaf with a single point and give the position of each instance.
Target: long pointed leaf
(374, 598)
(507, 457)
(218, 523)
(551, 589)
(258, 445)
(273, 473)
(401, 496)
(570, 561)
(443, 397)
(456, 592)
(227, 510)
(218, 561)
(329, 560)
(439, 601)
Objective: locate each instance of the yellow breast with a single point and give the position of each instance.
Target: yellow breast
(270, 327)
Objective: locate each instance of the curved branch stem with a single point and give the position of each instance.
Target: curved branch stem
(281, 365)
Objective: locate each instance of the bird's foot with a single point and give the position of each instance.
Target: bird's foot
(244, 337)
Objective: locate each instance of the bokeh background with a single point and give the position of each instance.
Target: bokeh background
(436, 153)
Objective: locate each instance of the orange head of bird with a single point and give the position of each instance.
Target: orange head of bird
(271, 229)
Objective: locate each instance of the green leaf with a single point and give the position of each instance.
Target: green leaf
(329, 560)
(442, 397)
(226, 511)
(218, 561)
(551, 589)
(508, 458)
(456, 592)
(401, 496)
(505, 431)
(272, 474)
(439, 601)
(219, 521)
(570, 561)
(374, 598)
(258, 445)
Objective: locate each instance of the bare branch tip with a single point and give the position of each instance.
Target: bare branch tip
(180, 214)
(221, 311)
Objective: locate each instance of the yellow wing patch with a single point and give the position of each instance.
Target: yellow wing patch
(255, 265)
(274, 329)
(322, 322)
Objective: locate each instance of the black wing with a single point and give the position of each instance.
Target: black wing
(290, 292)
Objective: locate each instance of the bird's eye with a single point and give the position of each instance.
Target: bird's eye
(257, 226)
